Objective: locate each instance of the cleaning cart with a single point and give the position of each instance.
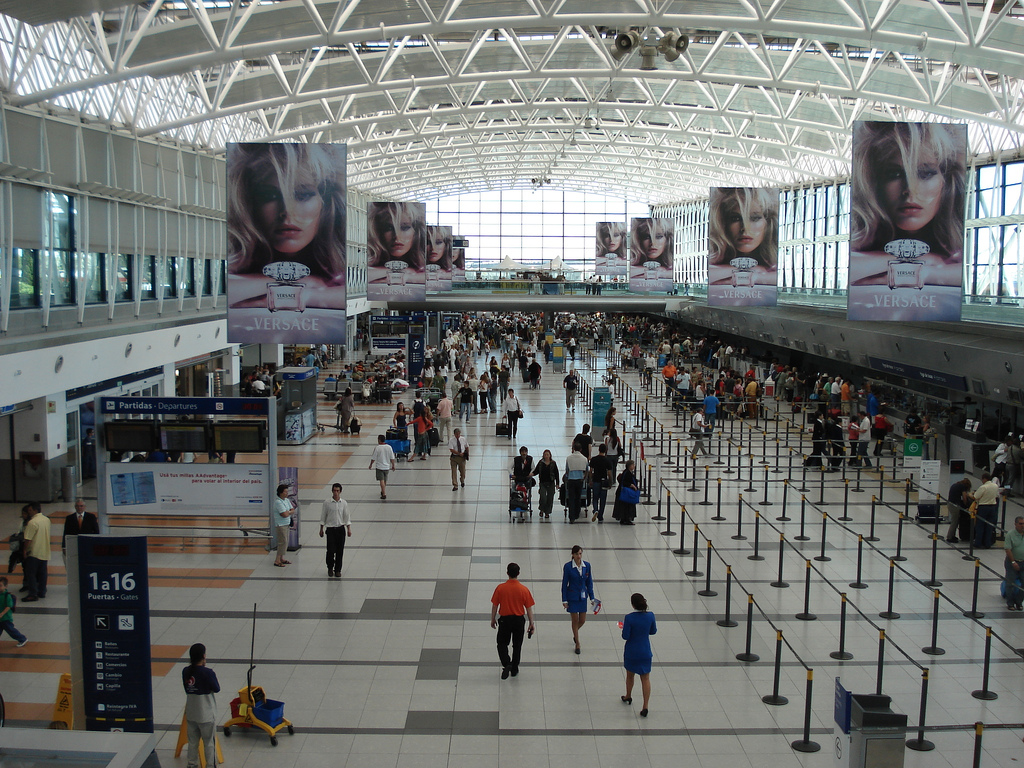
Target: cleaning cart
(252, 708)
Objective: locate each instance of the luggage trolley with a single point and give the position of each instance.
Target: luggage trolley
(520, 500)
(252, 708)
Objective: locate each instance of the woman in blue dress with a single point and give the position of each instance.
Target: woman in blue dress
(577, 586)
(637, 629)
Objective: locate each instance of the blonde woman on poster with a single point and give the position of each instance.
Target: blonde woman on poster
(396, 242)
(610, 258)
(651, 249)
(286, 242)
(439, 258)
(743, 247)
(908, 193)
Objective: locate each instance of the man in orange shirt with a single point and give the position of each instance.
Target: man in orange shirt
(669, 372)
(513, 600)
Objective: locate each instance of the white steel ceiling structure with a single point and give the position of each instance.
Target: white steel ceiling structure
(441, 97)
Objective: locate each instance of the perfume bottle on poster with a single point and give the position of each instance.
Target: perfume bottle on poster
(286, 294)
(743, 272)
(907, 269)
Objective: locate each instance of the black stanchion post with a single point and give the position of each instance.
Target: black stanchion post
(859, 583)
(803, 477)
(779, 583)
(881, 661)
(805, 614)
(765, 502)
(934, 649)
(680, 467)
(803, 516)
(775, 700)
(750, 475)
(979, 728)
(898, 557)
(718, 450)
(889, 613)
(805, 744)
(682, 550)
(842, 654)
(694, 572)
(718, 493)
(970, 547)
(764, 448)
(757, 538)
(660, 516)
(739, 519)
(693, 483)
(921, 744)
(727, 621)
(747, 654)
(871, 529)
(906, 498)
(785, 498)
(881, 479)
(974, 613)
(821, 491)
(821, 556)
(933, 582)
(846, 502)
(858, 489)
(708, 591)
(984, 693)
(707, 502)
(778, 468)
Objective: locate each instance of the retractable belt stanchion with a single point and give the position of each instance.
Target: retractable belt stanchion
(822, 557)
(706, 502)
(871, 529)
(921, 744)
(774, 699)
(805, 744)
(765, 502)
(933, 582)
(785, 498)
(974, 613)
(984, 693)
(747, 655)
(739, 519)
(750, 475)
(842, 654)
(859, 583)
(757, 538)
(682, 550)
(803, 519)
(805, 614)
(889, 613)
(846, 502)
(708, 591)
(898, 557)
(694, 572)
(727, 621)
(934, 649)
(880, 664)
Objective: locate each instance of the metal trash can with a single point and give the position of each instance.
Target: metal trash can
(878, 734)
(68, 483)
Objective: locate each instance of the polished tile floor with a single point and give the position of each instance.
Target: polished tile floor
(394, 664)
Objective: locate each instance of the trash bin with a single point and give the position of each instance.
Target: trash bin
(878, 733)
(68, 483)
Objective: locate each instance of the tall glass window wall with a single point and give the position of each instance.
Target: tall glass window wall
(532, 227)
(814, 248)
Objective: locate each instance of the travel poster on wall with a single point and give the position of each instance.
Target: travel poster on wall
(286, 257)
(907, 198)
(396, 251)
(743, 247)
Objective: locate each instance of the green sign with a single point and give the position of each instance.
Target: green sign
(913, 447)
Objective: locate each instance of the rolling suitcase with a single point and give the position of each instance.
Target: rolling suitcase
(434, 435)
(501, 429)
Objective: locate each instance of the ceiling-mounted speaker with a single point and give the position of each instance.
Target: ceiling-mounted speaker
(625, 42)
(673, 45)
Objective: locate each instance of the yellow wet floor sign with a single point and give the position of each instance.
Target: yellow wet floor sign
(183, 741)
(62, 712)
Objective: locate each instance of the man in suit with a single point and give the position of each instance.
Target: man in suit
(78, 522)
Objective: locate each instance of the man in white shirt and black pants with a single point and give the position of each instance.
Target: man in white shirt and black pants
(458, 446)
(336, 521)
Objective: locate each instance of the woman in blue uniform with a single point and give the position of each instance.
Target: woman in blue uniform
(637, 629)
(577, 586)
